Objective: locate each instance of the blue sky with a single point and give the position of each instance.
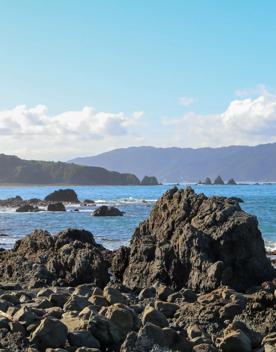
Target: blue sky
(132, 56)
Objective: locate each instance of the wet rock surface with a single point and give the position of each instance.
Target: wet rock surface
(56, 293)
(62, 195)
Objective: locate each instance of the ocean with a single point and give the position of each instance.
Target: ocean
(135, 201)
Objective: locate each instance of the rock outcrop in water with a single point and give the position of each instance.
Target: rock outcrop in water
(104, 210)
(149, 181)
(196, 242)
(71, 257)
(62, 195)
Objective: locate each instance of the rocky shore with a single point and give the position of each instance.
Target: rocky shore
(195, 278)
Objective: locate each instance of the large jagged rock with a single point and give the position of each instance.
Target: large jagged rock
(197, 242)
(63, 195)
(71, 257)
(149, 181)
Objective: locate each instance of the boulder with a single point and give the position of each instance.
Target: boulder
(27, 208)
(153, 316)
(83, 338)
(63, 195)
(70, 258)
(112, 295)
(104, 210)
(56, 207)
(149, 181)
(196, 242)
(50, 333)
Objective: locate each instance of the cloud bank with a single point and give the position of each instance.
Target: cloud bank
(32, 132)
(245, 121)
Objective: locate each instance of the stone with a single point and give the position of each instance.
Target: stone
(27, 208)
(25, 316)
(123, 317)
(168, 309)
(149, 181)
(50, 333)
(150, 335)
(56, 207)
(231, 182)
(83, 338)
(106, 332)
(76, 303)
(104, 210)
(218, 181)
(112, 295)
(148, 292)
(235, 341)
(99, 301)
(151, 315)
(63, 195)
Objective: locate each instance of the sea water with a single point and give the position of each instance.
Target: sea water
(135, 201)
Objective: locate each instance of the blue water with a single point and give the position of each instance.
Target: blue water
(136, 201)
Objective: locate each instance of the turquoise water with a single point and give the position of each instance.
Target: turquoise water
(136, 201)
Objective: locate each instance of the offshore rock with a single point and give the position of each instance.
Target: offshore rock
(63, 195)
(196, 242)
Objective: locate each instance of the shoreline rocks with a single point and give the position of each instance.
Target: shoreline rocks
(171, 290)
(196, 242)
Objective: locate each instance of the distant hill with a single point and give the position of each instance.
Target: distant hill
(16, 170)
(243, 163)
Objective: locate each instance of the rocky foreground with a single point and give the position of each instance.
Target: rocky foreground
(194, 279)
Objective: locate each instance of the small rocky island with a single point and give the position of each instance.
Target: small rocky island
(195, 278)
(217, 181)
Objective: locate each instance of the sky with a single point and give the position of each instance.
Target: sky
(83, 77)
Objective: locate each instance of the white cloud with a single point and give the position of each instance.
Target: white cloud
(245, 121)
(34, 132)
(259, 89)
(186, 101)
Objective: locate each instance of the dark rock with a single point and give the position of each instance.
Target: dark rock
(149, 181)
(83, 338)
(71, 257)
(218, 181)
(107, 211)
(197, 242)
(151, 315)
(207, 181)
(231, 182)
(27, 208)
(56, 207)
(50, 333)
(63, 195)
(112, 295)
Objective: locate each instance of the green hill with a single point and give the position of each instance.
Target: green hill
(16, 170)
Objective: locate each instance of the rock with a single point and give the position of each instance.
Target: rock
(27, 208)
(236, 341)
(207, 181)
(104, 210)
(107, 333)
(85, 290)
(148, 292)
(149, 181)
(163, 292)
(218, 181)
(151, 315)
(76, 303)
(168, 309)
(112, 295)
(98, 300)
(149, 336)
(25, 316)
(83, 338)
(72, 257)
(56, 207)
(199, 243)
(123, 317)
(231, 182)
(89, 202)
(63, 195)
(50, 333)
